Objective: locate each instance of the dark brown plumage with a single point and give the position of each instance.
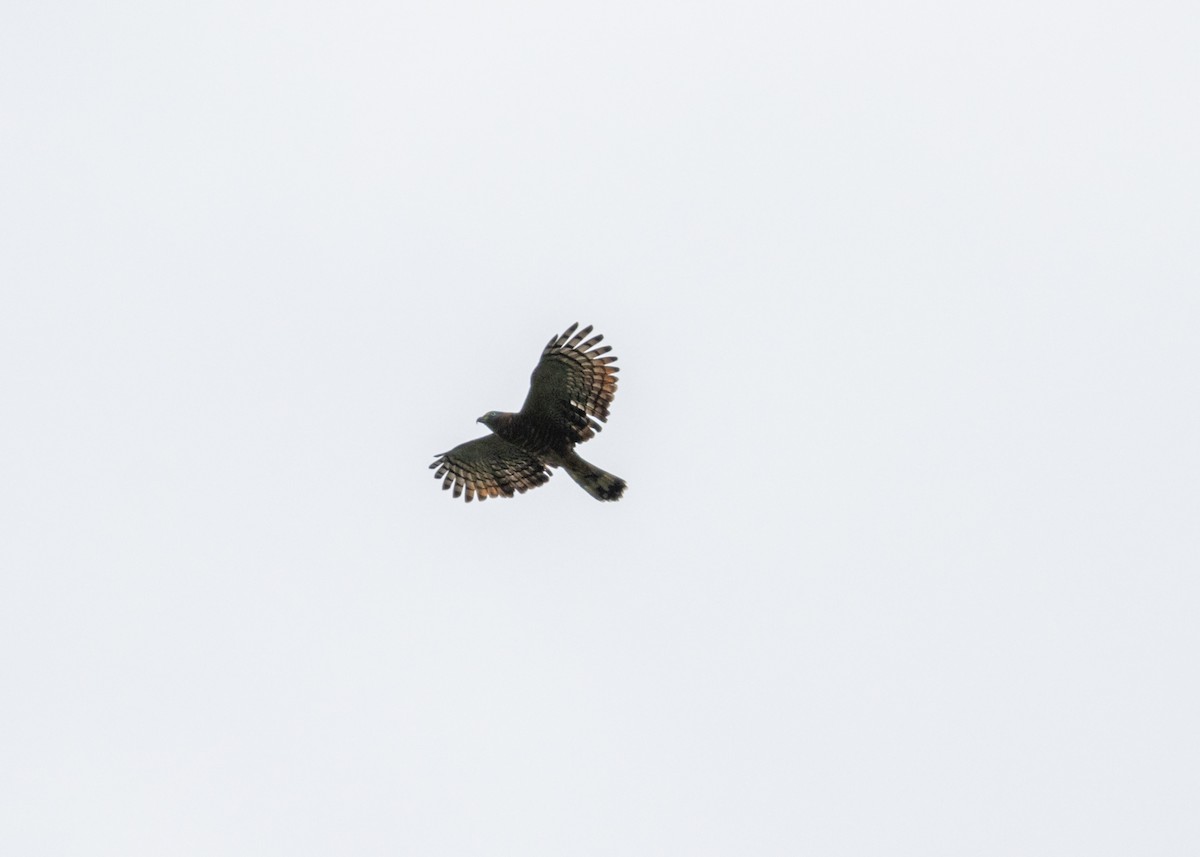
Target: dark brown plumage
(570, 391)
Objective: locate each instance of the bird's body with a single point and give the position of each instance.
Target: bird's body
(569, 393)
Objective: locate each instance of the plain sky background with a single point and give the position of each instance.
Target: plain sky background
(905, 297)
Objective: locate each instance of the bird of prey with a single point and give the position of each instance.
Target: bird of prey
(569, 393)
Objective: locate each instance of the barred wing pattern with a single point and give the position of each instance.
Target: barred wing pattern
(572, 386)
(489, 466)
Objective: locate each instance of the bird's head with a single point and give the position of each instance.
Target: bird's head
(490, 419)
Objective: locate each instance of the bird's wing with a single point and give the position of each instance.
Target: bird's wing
(571, 387)
(489, 466)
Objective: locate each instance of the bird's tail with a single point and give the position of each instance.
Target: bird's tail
(599, 483)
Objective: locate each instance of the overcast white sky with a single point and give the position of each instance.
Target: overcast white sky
(905, 300)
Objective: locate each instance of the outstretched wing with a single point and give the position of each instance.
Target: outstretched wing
(571, 387)
(490, 467)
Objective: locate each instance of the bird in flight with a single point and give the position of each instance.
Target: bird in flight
(569, 393)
